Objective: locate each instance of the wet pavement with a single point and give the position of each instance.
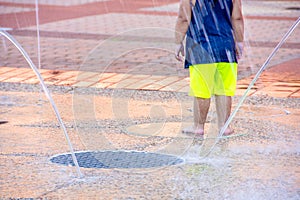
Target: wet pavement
(261, 160)
(110, 67)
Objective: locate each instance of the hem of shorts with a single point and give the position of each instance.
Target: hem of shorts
(206, 97)
(199, 95)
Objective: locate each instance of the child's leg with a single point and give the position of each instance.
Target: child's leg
(201, 87)
(201, 107)
(225, 85)
(223, 107)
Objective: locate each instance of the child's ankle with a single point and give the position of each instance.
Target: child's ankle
(199, 126)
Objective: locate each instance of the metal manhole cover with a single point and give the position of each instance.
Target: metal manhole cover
(117, 159)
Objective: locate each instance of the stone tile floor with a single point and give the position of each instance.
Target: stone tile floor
(260, 161)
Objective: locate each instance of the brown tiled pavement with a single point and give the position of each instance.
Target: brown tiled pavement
(279, 81)
(84, 45)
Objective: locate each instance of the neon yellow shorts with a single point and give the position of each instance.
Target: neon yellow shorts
(213, 79)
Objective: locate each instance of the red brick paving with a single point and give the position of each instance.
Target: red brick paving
(49, 13)
(280, 81)
(56, 13)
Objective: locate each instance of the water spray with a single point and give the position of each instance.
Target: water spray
(47, 93)
(38, 33)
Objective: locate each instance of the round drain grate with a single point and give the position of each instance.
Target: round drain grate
(117, 159)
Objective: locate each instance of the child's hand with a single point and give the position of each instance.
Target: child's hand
(179, 50)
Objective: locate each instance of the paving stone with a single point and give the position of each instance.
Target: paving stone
(295, 94)
(83, 84)
(5, 69)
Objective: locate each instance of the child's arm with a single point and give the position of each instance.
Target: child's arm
(237, 21)
(238, 25)
(183, 20)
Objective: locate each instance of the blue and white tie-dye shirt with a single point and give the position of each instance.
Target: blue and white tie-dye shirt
(210, 35)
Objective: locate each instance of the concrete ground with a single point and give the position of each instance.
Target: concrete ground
(110, 68)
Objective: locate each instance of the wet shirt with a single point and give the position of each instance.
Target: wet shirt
(210, 36)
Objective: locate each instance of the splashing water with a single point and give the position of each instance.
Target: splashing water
(46, 91)
(3, 39)
(38, 33)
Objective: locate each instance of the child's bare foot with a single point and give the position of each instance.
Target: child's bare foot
(228, 132)
(193, 130)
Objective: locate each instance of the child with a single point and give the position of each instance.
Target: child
(213, 31)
